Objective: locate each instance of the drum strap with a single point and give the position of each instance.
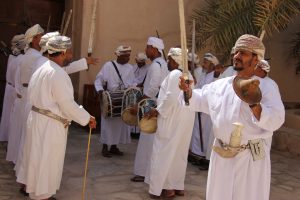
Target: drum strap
(115, 66)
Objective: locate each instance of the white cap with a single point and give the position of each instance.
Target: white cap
(33, 31)
(122, 50)
(210, 57)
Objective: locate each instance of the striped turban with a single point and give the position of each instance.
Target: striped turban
(250, 43)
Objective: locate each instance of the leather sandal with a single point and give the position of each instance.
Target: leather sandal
(152, 196)
(179, 192)
(168, 194)
(137, 179)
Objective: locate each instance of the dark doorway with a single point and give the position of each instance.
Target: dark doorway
(16, 16)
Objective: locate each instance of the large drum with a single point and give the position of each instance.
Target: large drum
(130, 99)
(146, 125)
(112, 103)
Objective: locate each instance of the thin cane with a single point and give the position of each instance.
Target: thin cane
(86, 164)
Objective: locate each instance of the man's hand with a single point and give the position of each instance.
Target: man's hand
(185, 87)
(256, 110)
(92, 61)
(92, 122)
(152, 113)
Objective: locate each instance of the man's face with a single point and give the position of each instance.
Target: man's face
(140, 63)
(172, 64)
(36, 41)
(243, 59)
(123, 59)
(68, 57)
(149, 50)
(207, 66)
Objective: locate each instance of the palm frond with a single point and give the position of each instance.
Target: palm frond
(275, 15)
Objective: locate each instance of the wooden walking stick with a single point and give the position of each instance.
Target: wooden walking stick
(86, 164)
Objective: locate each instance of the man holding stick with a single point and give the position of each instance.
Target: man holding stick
(245, 174)
(50, 93)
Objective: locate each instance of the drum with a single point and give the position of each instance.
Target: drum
(146, 125)
(111, 103)
(130, 99)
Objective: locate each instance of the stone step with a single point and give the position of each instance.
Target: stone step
(287, 139)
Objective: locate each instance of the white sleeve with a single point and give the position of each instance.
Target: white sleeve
(172, 93)
(101, 78)
(273, 112)
(76, 66)
(155, 81)
(199, 100)
(62, 91)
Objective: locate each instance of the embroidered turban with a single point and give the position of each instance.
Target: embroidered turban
(250, 43)
(58, 44)
(140, 57)
(123, 50)
(210, 57)
(33, 31)
(45, 38)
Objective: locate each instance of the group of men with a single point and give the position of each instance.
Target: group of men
(206, 124)
(43, 107)
(39, 106)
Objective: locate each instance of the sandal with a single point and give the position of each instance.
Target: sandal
(137, 179)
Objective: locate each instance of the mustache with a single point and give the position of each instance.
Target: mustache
(238, 60)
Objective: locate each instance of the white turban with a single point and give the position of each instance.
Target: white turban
(45, 38)
(210, 57)
(250, 43)
(196, 58)
(33, 31)
(58, 44)
(141, 57)
(264, 65)
(123, 50)
(176, 54)
(156, 43)
(18, 44)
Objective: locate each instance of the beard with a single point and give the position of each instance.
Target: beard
(67, 62)
(239, 65)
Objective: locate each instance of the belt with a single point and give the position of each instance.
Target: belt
(19, 96)
(227, 151)
(25, 84)
(239, 148)
(48, 113)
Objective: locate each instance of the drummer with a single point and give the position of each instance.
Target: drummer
(157, 71)
(115, 75)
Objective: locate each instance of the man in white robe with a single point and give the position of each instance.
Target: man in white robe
(242, 176)
(17, 46)
(50, 93)
(23, 75)
(157, 72)
(113, 130)
(172, 138)
(140, 68)
(198, 70)
(202, 138)
(73, 67)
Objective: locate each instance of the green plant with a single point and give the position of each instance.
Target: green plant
(221, 22)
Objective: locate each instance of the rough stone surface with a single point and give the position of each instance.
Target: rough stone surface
(108, 178)
(287, 139)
